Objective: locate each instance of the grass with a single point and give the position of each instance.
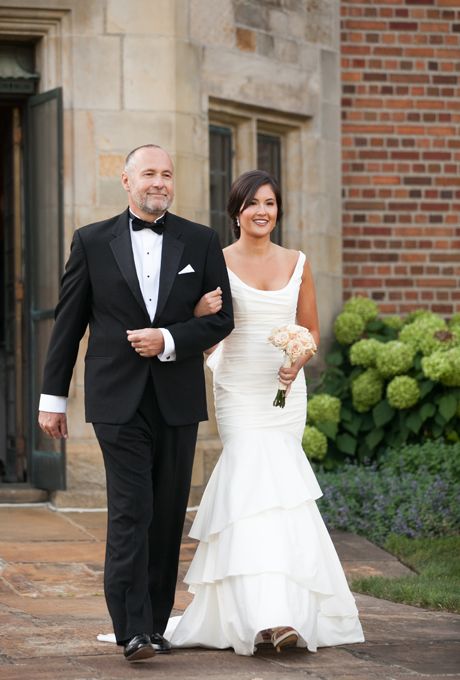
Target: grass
(436, 585)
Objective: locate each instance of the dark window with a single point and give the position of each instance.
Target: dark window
(269, 159)
(220, 170)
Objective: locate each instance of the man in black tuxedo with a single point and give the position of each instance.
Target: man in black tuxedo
(135, 279)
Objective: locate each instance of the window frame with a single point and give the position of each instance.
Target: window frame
(246, 123)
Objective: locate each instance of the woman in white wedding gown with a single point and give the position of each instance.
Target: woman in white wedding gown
(265, 567)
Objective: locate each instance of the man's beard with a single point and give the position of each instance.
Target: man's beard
(154, 205)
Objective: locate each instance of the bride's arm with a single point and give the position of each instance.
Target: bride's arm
(307, 316)
(307, 311)
(209, 303)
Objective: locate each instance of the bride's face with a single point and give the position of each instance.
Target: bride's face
(259, 218)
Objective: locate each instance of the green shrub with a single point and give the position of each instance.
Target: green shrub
(394, 322)
(435, 456)
(393, 358)
(421, 331)
(439, 340)
(348, 327)
(398, 383)
(403, 392)
(364, 307)
(364, 352)
(443, 366)
(323, 408)
(366, 390)
(314, 443)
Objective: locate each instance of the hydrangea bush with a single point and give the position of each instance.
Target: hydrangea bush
(348, 327)
(366, 390)
(397, 381)
(364, 352)
(324, 408)
(314, 443)
(443, 366)
(403, 392)
(394, 358)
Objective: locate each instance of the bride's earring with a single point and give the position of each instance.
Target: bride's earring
(237, 222)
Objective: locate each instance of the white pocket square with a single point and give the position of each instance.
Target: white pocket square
(187, 270)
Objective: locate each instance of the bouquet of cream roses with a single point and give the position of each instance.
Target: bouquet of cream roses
(295, 341)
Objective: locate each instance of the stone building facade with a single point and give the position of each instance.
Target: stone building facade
(224, 86)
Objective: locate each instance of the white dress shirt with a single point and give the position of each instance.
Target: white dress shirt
(147, 246)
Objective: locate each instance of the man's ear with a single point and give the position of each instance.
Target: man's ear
(125, 181)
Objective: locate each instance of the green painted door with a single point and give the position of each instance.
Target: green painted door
(44, 238)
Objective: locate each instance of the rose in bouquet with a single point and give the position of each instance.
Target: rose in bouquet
(295, 341)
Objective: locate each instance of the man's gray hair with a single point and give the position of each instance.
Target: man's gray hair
(129, 160)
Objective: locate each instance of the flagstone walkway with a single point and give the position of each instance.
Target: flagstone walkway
(52, 607)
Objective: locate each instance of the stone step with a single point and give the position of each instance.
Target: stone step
(21, 493)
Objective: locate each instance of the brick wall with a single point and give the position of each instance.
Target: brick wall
(401, 152)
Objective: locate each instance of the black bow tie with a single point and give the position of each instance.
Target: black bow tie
(138, 224)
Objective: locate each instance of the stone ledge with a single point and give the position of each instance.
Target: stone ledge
(21, 493)
(79, 498)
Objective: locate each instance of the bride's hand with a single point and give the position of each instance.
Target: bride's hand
(210, 303)
(287, 375)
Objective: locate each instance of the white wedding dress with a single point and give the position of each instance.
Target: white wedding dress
(265, 558)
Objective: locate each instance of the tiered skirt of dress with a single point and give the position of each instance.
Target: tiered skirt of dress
(265, 558)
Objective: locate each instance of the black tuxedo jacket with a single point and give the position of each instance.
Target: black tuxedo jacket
(100, 289)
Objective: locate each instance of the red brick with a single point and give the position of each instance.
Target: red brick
(436, 155)
(363, 25)
(388, 51)
(403, 26)
(386, 179)
(376, 76)
(367, 283)
(417, 180)
(413, 257)
(436, 283)
(434, 207)
(399, 283)
(405, 155)
(402, 206)
(445, 257)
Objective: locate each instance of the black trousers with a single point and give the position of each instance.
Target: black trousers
(148, 468)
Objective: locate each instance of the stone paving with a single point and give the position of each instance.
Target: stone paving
(52, 607)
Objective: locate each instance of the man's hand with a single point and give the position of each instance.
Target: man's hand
(53, 424)
(147, 342)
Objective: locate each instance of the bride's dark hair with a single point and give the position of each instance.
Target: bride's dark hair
(243, 191)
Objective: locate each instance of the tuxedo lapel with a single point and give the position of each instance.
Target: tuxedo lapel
(170, 258)
(123, 252)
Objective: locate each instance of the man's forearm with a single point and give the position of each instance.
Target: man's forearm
(198, 334)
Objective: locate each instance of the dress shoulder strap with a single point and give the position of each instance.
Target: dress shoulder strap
(301, 260)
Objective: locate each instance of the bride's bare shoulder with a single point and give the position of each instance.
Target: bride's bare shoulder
(287, 255)
(229, 253)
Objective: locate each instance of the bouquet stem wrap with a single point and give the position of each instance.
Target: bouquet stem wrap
(280, 399)
(295, 341)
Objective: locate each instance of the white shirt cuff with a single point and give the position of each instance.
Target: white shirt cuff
(169, 352)
(53, 404)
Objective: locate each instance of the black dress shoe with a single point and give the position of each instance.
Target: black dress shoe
(138, 648)
(159, 644)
